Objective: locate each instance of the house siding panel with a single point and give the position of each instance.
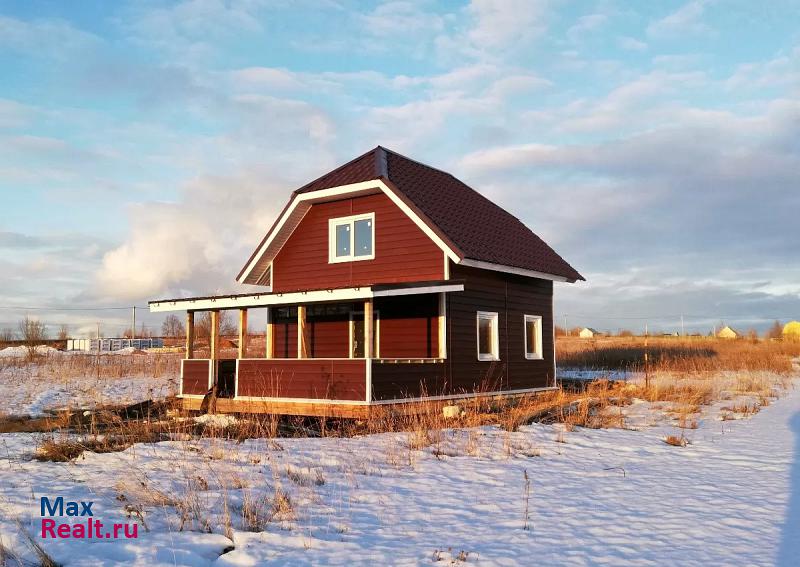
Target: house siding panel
(403, 253)
(307, 378)
(409, 326)
(195, 377)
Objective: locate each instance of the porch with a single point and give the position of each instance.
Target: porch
(336, 357)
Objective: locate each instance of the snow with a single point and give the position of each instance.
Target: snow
(30, 390)
(609, 496)
(23, 352)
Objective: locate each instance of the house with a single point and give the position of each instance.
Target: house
(385, 281)
(589, 333)
(729, 333)
(791, 331)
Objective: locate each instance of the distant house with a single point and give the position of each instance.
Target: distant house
(385, 281)
(729, 333)
(589, 333)
(791, 331)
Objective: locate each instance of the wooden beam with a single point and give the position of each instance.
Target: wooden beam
(442, 325)
(213, 339)
(242, 333)
(270, 336)
(189, 334)
(369, 331)
(302, 333)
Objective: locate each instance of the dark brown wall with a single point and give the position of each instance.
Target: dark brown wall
(402, 251)
(308, 378)
(195, 376)
(392, 381)
(409, 326)
(511, 297)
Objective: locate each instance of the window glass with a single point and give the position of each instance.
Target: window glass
(487, 336)
(533, 339)
(363, 237)
(342, 240)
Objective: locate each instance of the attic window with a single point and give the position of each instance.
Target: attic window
(351, 238)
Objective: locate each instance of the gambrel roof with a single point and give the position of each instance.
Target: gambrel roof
(470, 228)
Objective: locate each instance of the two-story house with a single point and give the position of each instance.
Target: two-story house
(384, 281)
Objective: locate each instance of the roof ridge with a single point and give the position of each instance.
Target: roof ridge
(341, 167)
(381, 162)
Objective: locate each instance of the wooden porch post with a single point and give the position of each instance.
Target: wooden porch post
(302, 338)
(213, 339)
(242, 333)
(442, 325)
(270, 336)
(369, 332)
(189, 335)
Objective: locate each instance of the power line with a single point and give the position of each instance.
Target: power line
(23, 308)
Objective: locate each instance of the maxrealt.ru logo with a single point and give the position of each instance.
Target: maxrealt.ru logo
(87, 528)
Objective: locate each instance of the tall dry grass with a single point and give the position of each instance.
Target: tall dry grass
(683, 355)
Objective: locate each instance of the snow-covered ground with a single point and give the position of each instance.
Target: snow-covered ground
(611, 496)
(30, 389)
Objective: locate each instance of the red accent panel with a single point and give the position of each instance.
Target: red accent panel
(409, 326)
(307, 378)
(403, 253)
(195, 377)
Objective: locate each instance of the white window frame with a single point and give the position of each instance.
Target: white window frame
(351, 220)
(494, 318)
(537, 319)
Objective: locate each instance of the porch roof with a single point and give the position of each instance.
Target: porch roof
(244, 300)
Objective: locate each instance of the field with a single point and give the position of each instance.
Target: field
(693, 458)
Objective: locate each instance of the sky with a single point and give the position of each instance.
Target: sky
(146, 147)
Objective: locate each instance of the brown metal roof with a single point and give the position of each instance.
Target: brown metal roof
(478, 228)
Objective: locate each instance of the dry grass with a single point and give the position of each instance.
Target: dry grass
(60, 366)
(683, 355)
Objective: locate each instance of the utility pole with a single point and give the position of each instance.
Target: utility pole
(133, 326)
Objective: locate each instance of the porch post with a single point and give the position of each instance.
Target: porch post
(302, 338)
(369, 340)
(189, 335)
(242, 333)
(442, 325)
(213, 339)
(270, 334)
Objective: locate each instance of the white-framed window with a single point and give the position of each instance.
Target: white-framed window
(351, 238)
(533, 337)
(488, 336)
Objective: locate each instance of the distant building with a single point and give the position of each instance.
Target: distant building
(791, 331)
(589, 333)
(111, 345)
(728, 333)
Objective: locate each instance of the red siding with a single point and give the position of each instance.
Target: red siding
(308, 378)
(329, 336)
(403, 252)
(409, 326)
(195, 377)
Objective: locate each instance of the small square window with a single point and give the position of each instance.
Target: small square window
(533, 337)
(488, 339)
(351, 238)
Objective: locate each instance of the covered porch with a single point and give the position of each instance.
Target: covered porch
(320, 352)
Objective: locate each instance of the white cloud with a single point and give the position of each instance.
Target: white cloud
(631, 44)
(44, 38)
(688, 19)
(499, 24)
(585, 25)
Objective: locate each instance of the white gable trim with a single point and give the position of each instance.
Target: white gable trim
(305, 200)
(511, 270)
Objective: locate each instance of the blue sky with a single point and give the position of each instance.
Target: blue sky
(145, 147)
